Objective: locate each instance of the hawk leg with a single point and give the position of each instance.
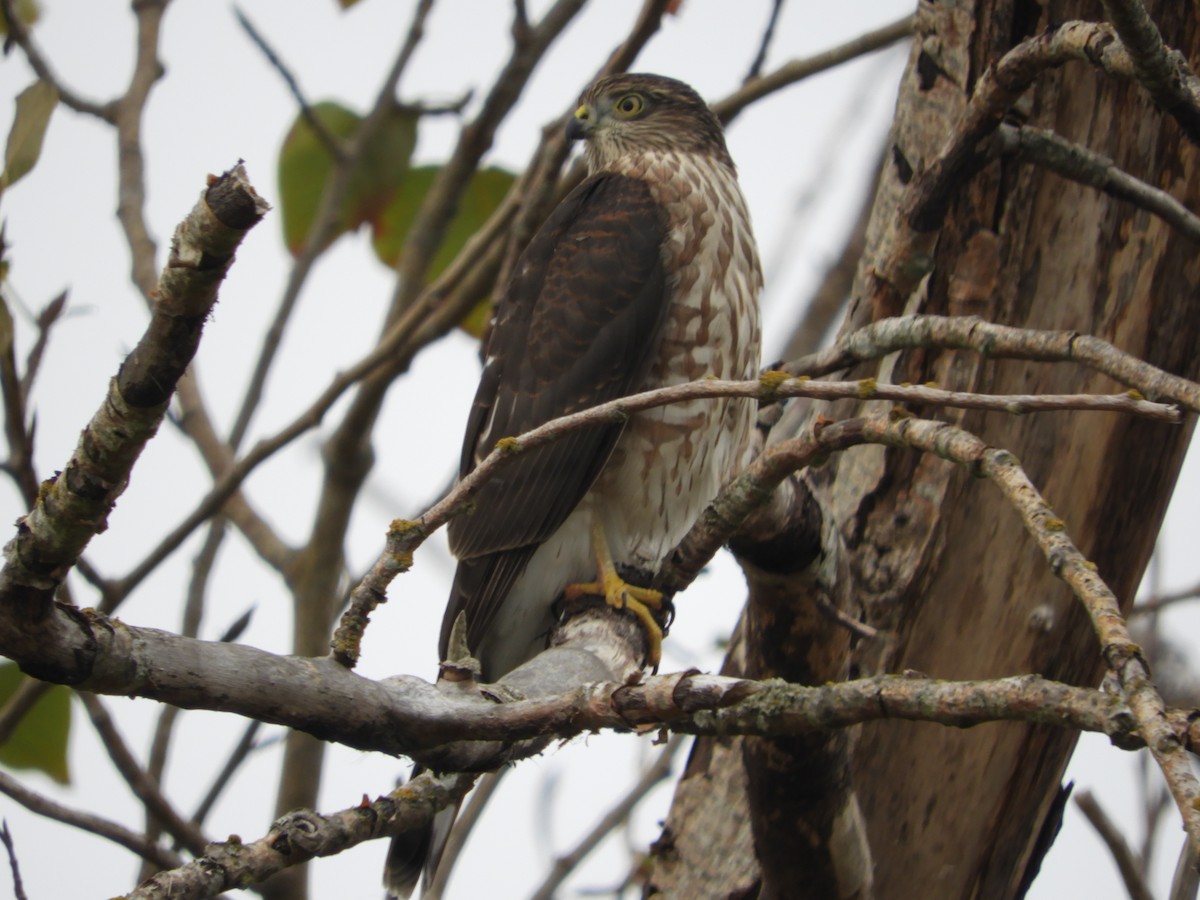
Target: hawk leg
(620, 594)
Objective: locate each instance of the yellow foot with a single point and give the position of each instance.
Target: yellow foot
(620, 594)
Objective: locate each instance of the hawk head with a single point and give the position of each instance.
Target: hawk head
(628, 114)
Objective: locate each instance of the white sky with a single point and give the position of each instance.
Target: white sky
(220, 102)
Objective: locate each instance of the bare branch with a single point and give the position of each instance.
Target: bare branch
(118, 834)
(241, 752)
(10, 846)
(131, 164)
(143, 786)
(45, 321)
(1045, 148)
(1164, 73)
(75, 506)
(1155, 604)
(328, 141)
(999, 342)
(929, 194)
(1120, 652)
(464, 824)
(1127, 864)
(300, 836)
(799, 69)
(325, 219)
(760, 58)
(18, 33)
(613, 819)
(406, 536)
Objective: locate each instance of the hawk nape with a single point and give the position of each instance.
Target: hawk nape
(646, 275)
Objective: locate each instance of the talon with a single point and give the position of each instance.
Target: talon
(620, 594)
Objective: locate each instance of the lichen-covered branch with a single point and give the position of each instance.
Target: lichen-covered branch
(74, 505)
(1001, 342)
(300, 836)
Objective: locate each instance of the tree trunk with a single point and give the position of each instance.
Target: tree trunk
(938, 559)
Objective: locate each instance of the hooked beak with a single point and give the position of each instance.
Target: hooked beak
(581, 123)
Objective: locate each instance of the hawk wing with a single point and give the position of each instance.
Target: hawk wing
(577, 325)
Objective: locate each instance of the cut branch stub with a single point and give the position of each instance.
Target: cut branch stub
(74, 505)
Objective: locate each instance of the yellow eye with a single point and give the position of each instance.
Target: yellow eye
(629, 106)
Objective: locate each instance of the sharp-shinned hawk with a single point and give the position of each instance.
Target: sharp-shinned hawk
(646, 275)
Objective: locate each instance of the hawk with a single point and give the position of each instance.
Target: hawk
(645, 276)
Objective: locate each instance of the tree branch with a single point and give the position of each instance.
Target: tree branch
(75, 505)
(1164, 73)
(999, 342)
(1127, 863)
(1045, 148)
(143, 786)
(104, 828)
(799, 69)
(300, 836)
(19, 34)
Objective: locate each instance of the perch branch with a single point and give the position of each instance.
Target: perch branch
(405, 536)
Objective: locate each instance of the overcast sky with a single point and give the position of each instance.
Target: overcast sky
(805, 158)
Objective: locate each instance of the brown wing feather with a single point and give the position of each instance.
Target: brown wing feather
(577, 326)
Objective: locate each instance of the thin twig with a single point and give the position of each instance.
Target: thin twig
(18, 33)
(325, 220)
(331, 144)
(1155, 604)
(564, 865)
(131, 161)
(241, 752)
(799, 69)
(22, 700)
(45, 321)
(18, 885)
(760, 58)
(1127, 864)
(405, 537)
(118, 834)
(143, 786)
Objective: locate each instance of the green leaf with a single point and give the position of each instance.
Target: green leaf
(485, 192)
(27, 11)
(40, 740)
(34, 106)
(305, 166)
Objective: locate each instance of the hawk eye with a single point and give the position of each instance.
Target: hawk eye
(630, 105)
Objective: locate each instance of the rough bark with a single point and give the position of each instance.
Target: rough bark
(939, 563)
